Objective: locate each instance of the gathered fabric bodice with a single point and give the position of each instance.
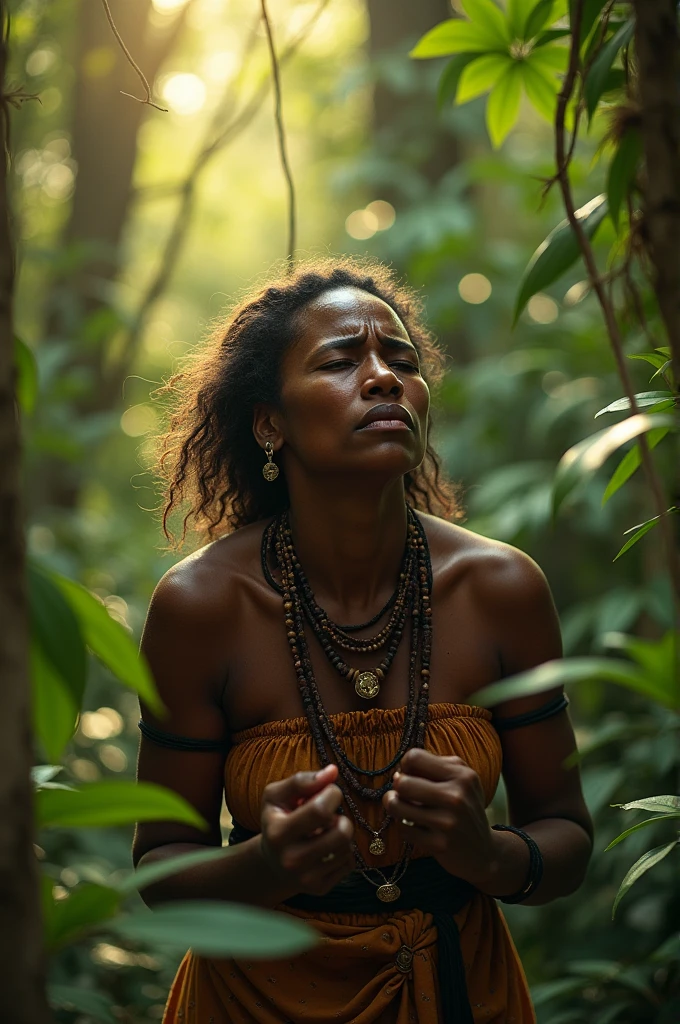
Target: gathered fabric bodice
(354, 976)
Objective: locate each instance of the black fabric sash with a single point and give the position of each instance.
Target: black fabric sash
(425, 886)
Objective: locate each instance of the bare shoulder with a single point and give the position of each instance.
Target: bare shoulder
(494, 570)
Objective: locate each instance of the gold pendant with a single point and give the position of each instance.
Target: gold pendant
(366, 685)
(377, 847)
(389, 892)
(270, 471)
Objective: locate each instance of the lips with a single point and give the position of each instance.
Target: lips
(385, 412)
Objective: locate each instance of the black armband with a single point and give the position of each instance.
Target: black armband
(535, 872)
(547, 710)
(174, 742)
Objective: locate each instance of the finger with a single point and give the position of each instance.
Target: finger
(308, 855)
(433, 819)
(291, 792)
(320, 812)
(430, 766)
(415, 790)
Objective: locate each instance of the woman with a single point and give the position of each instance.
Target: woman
(356, 771)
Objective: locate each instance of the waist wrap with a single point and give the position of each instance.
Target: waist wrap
(425, 886)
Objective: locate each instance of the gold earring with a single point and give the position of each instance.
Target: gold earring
(270, 470)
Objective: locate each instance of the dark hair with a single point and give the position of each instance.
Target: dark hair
(209, 458)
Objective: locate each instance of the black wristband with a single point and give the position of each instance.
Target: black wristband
(535, 872)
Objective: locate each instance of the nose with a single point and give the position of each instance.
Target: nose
(381, 380)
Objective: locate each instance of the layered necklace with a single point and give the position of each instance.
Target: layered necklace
(411, 598)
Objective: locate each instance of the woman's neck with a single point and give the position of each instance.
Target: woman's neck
(350, 546)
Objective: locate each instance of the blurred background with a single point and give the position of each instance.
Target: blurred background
(136, 228)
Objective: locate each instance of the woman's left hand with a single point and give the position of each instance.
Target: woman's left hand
(443, 797)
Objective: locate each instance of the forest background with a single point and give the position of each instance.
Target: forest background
(136, 228)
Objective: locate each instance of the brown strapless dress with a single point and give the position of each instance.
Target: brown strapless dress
(352, 976)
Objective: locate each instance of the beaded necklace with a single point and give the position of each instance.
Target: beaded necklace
(411, 598)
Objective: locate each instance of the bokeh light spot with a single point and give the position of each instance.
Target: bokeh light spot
(542, 309)
(138, 420)
(167, 6)
(113, 758)
(99, 62)
(40, 61)
(384, 212)
(184, 93)
(361, 224)
(474, 288)
(576, 293)
(101, 724)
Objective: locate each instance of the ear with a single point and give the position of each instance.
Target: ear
(267, 426)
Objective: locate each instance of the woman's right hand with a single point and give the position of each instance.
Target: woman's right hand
(300, 826)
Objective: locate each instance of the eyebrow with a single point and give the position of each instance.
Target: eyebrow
(355, 341)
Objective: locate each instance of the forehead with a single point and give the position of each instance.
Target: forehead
(346, 311)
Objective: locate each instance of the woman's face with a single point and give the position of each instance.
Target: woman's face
(352, 398)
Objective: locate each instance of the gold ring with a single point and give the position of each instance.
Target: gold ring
(327, 858)
(405, 821)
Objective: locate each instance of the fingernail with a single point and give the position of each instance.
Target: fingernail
(396, 776)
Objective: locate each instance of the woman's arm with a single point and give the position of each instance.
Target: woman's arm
(187, 661)
(443, 795)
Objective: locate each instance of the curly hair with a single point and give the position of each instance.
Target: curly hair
(208, 457)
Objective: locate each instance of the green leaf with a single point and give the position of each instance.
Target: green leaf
(42, 773)
(657, 658)
(54, 709)
(217, 929)
(26, 387)
(561, 672)
(627, 466)
(654, 358)
(591, 14)
(84, 1000)
(151, 873)
(596, 78)
(481, 75)
(647, 860)
(456, 36)
(549, 58)
(541, 88)
(487, 16)
(558, 252)
(543, 12)
(622, 171)
(502, 107)
(641, 530)
(517, 14)
(581, 461)
(85, 906)
(662, 369)
(643, 399)
(640, 824)
(448, 83)
(110, 642)
(55, 629)
(669, 803)
(113, 802)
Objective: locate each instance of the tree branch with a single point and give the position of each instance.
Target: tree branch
(597, 285)
(281, 135)
(130, 59)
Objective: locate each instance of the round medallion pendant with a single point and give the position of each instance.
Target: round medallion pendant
(389, 892)
(377, 847)
(270, 471)
(367, 685)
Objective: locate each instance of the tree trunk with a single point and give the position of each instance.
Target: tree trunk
(657, 44)
(22, 986)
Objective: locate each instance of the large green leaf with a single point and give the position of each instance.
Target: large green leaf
(561, 672)
(629, 463)
(456, 36)
(481, 75)
(486, 15)
(596, 79)
(448, 83)
(84, 1000)
(558, 252)
(647, 860)
(640, 531)
(87, 905)
(640, 825)
(110, 642)
(591, 15)
(217, 929)
(56, 630)
(502, 106)
(543, 12)
(669, 803)
(644, 399)
(150, 873)
(26, 387)
(622, 171)
(581, 461)
(541, 88)
(53, 706)
(658, 660)
(113, 802)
